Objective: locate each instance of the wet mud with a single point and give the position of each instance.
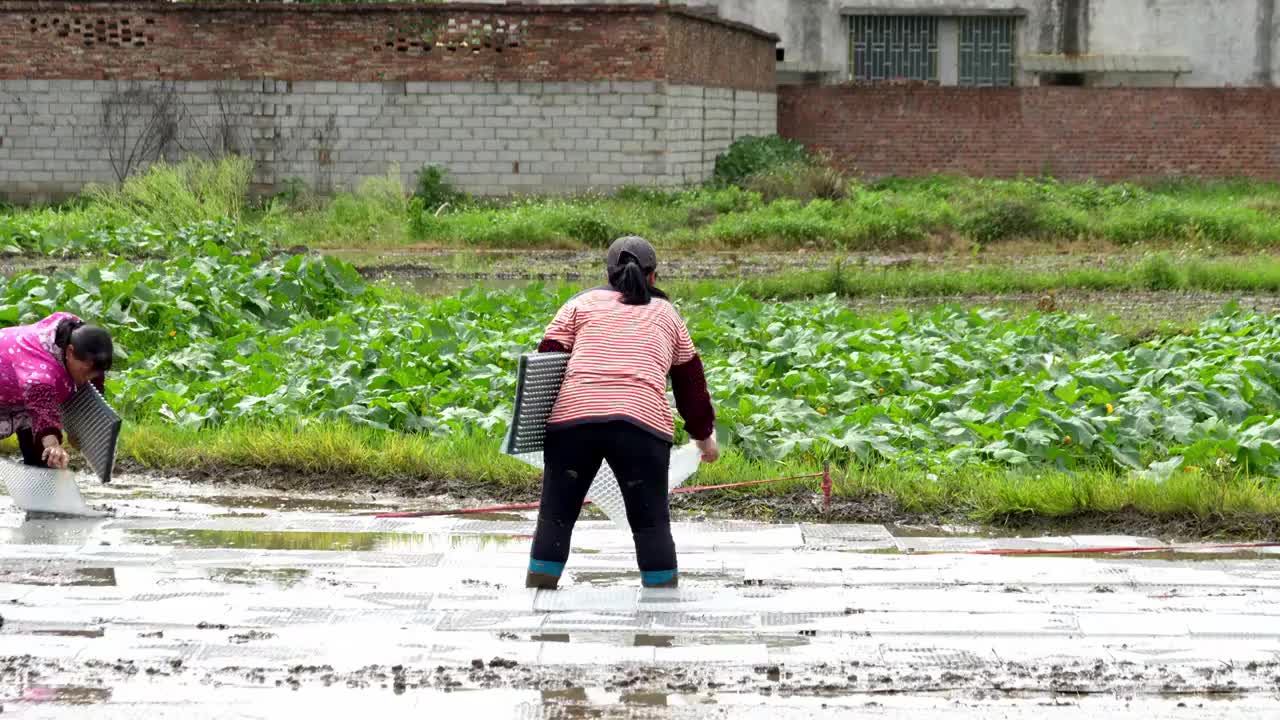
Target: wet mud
(799, 505)
(804, 505)
(652, 684)
(181, 598)
(373, 487)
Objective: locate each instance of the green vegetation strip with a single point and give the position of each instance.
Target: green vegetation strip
(218, 345)
(344, 456)
(799, 203)
(1160, 272)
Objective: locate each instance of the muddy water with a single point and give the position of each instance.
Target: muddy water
(231, 603)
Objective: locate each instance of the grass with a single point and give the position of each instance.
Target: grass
(325, 449)
(791, 210)
(358, 456)
(167, 196)
(378, 208)
(340, 449)
(172, 196)
(1153, 273)
(788, 208)
(986, 494)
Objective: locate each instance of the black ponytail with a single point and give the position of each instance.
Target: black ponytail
(632, 281)
(62, 335)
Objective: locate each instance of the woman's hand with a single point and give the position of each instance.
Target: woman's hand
(54, 456)
(710, 449)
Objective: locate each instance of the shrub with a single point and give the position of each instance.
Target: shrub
(590, 226)
(1004, 220)
(1159, 273)
(802, 181)
(753, 155)
(434, 189)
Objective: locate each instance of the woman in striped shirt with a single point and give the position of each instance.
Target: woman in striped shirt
(625, 339)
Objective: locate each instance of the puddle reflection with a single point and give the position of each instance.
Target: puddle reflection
(90, 633)
(332, 541)
(593, 703)
(59, 576)
(68, 695)
(283, 578)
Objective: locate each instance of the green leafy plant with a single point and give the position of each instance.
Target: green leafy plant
(434, 189)
(216, 336)
(753, 155)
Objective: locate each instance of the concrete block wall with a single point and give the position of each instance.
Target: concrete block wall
(516, 98)
(493, 138)
(704, 121)
(686, 156)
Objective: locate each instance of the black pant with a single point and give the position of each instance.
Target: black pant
(32, 454)
(640, 460)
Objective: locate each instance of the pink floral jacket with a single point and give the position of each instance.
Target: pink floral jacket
(33, 378)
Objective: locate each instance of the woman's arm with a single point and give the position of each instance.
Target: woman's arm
(689, 385)
(46, 423)
(561, 332)
(42, 407)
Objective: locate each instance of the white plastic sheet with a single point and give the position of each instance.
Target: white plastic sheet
(538, 381)
(39, 490)
(605, 493)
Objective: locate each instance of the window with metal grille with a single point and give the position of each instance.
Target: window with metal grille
(986, 51)
(891, 47)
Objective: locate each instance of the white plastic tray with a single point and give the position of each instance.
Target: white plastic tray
(605, 493)
(39, 490)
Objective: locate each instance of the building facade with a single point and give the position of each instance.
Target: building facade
(983, 43)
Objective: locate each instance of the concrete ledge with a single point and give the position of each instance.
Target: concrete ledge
(933, 11)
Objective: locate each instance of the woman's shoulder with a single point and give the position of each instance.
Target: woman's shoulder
(593, 295)
(57, 319)
(668, 308)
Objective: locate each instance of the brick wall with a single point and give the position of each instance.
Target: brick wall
(370, 43)
(716, 53)
(563, 99)
(1066, 132)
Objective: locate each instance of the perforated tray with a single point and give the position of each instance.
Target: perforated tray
(40, 490)
(96, 427)
(537, 386)
(606, 495)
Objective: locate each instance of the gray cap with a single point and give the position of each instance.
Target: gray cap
(637, 247)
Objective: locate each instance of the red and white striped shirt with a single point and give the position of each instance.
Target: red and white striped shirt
(621, 357)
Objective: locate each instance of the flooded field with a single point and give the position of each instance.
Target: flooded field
(217, 602)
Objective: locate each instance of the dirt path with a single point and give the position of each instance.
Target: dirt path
(535, 264)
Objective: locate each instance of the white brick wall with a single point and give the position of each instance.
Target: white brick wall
(494, 138)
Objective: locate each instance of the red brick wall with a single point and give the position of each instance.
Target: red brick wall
(717, 54)
(1065, 132)
(159, 40)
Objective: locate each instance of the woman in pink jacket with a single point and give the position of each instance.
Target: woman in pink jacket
(41, 366)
